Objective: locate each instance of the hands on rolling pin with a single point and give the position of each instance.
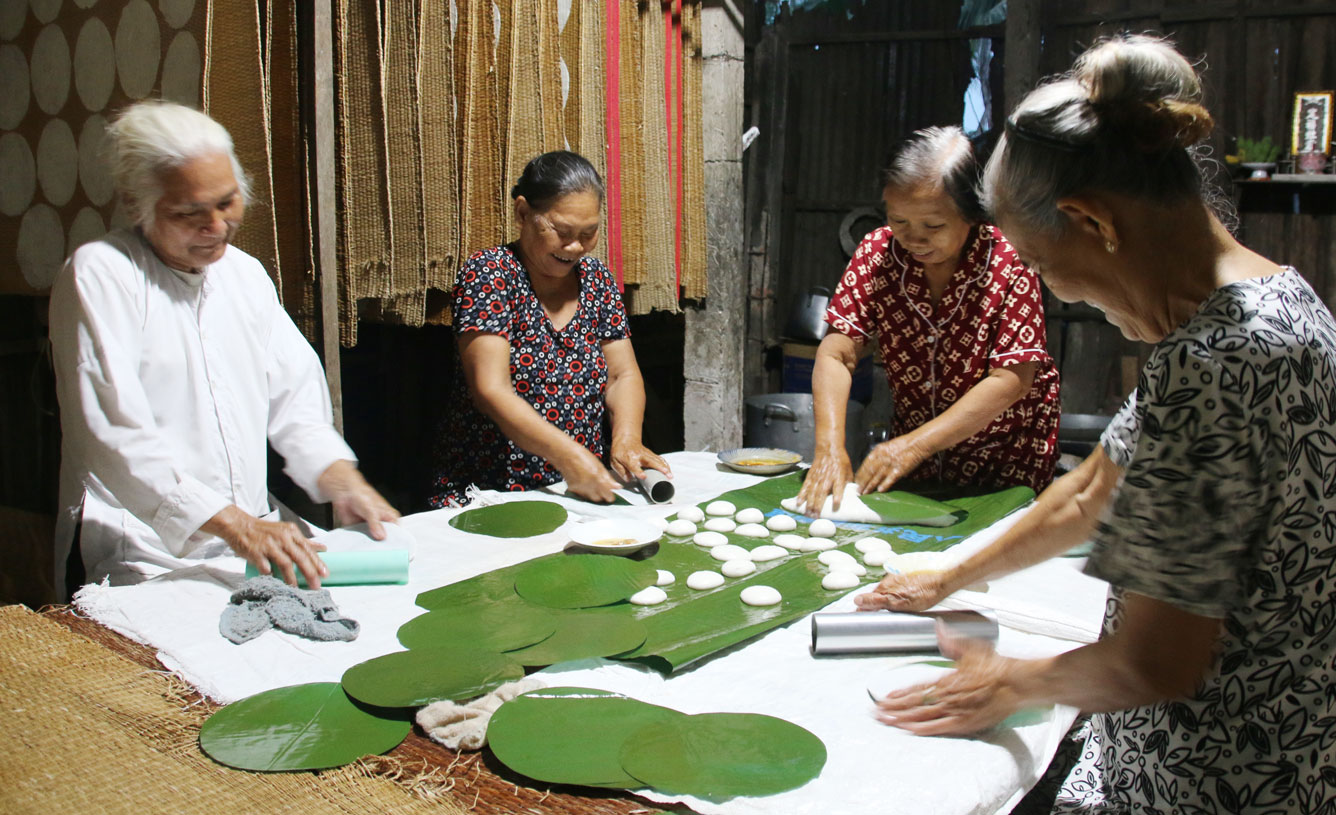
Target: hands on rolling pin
(263, 542)
(270, 545)
(630, 458)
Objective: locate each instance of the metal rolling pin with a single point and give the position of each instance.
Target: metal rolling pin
(867, 632)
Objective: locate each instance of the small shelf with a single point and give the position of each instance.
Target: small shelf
(1288, 193)
(1291, 178)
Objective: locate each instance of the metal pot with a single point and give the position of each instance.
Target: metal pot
(807, 317)
(787, 421)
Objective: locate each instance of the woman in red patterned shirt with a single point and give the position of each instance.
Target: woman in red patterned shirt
(960, 324)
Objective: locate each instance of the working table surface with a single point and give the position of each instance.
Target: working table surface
(1043, 610)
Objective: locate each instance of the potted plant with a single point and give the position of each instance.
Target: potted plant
(1257, 155)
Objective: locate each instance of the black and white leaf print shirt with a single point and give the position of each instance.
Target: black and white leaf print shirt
(1227, 509)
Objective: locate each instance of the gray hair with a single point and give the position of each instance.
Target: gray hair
(938, 158)
(1124, 120)
(149, 138)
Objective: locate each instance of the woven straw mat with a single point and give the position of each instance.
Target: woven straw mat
(90, 731)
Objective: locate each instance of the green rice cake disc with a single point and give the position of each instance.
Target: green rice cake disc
(583, 581)
(722, 755)
(583, 635)
(570, 735)
(302, 727)
(494, 626)
(422, 676)
(517, 519)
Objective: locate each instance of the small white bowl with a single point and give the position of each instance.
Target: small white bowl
(614, 534)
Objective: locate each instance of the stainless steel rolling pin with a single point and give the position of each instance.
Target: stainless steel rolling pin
(657, 487)
(867, 632)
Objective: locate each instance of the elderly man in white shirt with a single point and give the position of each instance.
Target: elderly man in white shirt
(175, 364)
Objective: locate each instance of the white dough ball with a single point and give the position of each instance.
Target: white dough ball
(753, 531)
(818, 544)
(794, 542)
(665, 578)
(720, 525)
(761, 596)
(781, 523)
(853, 567)
(692, 514)
(650, 596)
(878, 557)
(737, 568)
(681, 528)
(871, 544)
(833, 556)
(749, 515)
(660, 523)
(768, 552)
(839, 580)
(704, 581)
(729, 552)
(720, 508)
(710, 539)
(822, 528)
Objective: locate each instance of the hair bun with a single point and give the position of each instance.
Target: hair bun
(1142, 86)
(1192, 122)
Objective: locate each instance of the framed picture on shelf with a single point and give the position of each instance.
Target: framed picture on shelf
(1311, 130)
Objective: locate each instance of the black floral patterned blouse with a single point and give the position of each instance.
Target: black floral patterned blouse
(563, 374)
(1227, 509)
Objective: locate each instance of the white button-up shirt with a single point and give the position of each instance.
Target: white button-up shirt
(170, 384)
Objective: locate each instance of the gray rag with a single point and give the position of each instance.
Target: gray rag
(266, 602)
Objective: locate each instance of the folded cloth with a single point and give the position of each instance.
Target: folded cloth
(464, 727)
(266, 602)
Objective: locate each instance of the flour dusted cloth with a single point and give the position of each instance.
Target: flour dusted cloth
(266, 602)
(464, 727)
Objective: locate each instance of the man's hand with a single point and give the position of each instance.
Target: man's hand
(264, 542)
(355, 500)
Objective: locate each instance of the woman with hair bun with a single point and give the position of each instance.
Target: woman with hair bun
(960, 324)
(543, 348)
(1209, 502)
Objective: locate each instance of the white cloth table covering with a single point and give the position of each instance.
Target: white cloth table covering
(870, 766)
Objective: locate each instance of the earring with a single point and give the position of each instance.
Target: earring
(1111, 247)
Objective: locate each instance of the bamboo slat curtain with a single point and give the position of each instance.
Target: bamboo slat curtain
(440, 105)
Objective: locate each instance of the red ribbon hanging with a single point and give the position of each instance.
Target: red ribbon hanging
(612, 103)
(672, 76)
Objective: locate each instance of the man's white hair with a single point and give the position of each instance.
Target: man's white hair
(149, 138)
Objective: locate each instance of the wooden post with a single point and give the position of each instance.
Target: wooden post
(1022, 41)
(327, 258)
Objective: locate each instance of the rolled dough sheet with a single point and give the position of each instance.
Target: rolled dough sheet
(852, 509)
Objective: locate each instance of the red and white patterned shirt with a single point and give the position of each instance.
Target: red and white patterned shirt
(990, 315)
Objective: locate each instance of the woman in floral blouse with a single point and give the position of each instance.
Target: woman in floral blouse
(543, 347)
(1209, 503)
(960, 324)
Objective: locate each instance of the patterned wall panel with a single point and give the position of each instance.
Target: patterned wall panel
(65, 67)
